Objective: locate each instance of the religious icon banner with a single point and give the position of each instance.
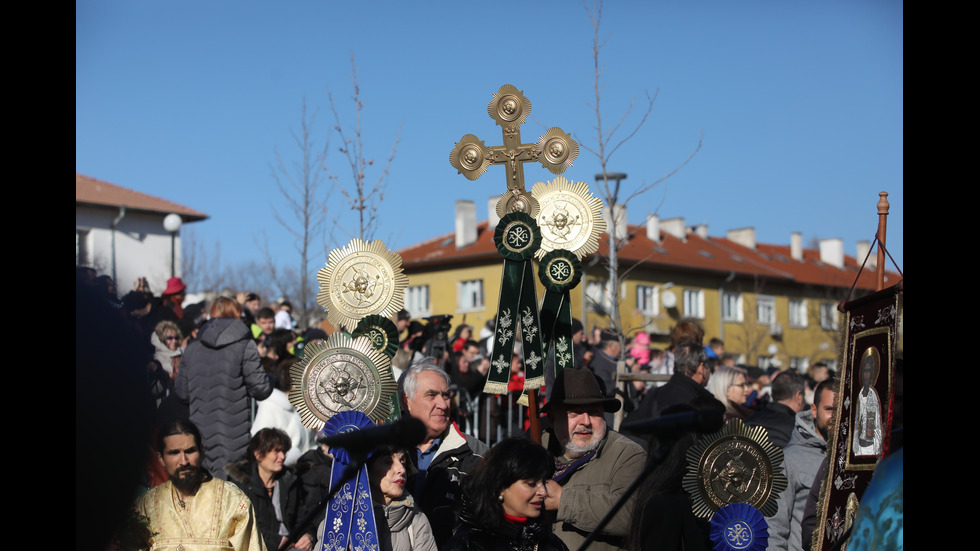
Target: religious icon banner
(861, 430)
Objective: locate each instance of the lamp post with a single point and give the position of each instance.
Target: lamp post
(172, 223)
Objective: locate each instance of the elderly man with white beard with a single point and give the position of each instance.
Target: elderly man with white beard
(593, 465)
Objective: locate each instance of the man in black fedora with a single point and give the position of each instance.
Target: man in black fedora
(593, 464)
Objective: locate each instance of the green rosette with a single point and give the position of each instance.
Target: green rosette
(383, 335)
(560, 271)
(381, 332)
(517, 238)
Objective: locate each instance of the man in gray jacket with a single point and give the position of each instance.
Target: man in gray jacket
(801, 459)
(594, 465)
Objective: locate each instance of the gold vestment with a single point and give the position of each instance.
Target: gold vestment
(219, 517)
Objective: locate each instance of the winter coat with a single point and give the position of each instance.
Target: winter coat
(408, 526)
(778, 420)
(218, 372)
(801, 460)
(439, 499)
(277, 412)
(531, 536)
(590, 492)
(245, 475)
(680, 389)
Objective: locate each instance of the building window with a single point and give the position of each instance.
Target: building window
(766, 309)
(694, 303)
(831, 364)
(797, 313)
(648, 299)
(597, 297)
(765, 362)
(731, 307)
(469, 295)
(799, 364)
(828, 316)
(417, 301)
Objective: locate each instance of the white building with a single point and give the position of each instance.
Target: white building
(120, 232)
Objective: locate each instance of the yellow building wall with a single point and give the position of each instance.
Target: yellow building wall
(747, 338)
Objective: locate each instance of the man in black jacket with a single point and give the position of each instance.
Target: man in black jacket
(779, 416)
(446, 455)
(686, 385)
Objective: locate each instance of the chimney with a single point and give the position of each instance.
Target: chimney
(796, 246)
(863, 247)
(492, 218)
(653, 228)
(675, 227)
(465, 223)
(701, 230)
(832, 252)
(618, 224)
(743, 236)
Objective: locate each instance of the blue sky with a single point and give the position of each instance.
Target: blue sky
(800, 103)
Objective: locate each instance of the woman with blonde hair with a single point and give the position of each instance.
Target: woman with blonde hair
(731, 386)
(166, 339)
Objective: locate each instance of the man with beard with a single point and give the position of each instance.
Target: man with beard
(593, 465)
(192, 510)
(802, 458)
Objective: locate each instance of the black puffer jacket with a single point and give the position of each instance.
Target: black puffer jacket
(245, 475)
(218, 373)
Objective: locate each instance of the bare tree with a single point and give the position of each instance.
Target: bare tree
(363, 195)
(200, 264)
(608, 141)
(301, 184)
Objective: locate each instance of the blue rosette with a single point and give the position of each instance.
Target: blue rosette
(345, 421)
(739, 526)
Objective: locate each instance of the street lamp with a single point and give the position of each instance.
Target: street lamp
(172, 223)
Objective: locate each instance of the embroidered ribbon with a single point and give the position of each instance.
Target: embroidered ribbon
(517, 238)
(559, 271)
(739, 526)
(349, 520)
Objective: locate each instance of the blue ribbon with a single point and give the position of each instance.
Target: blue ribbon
(349, 520)
(739, 527)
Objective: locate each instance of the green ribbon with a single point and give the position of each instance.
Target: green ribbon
(560, 271)
(517, 238)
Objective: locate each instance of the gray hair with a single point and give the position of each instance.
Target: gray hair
(687, 358)
(723, 378)
(408, 383)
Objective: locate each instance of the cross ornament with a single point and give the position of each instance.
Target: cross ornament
(555, 150)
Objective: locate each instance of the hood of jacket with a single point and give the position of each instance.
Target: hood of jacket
(221, 332)
(399, 513)
(805, 432)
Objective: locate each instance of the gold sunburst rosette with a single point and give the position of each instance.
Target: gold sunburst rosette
(341, 374)
(359, 280)
(737, 464)
(569, 216)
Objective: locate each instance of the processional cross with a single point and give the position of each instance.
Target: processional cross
(555, 150)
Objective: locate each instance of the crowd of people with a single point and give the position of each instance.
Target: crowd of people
(218, 471)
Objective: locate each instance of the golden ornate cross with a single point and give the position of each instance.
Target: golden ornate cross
(509, 108)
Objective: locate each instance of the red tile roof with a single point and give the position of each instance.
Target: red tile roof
(90, 191)
(695, 254)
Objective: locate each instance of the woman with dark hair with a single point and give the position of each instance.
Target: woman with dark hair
(503, 501)
(218, 373)
(463, 333)
(408, 527)
(274, 490)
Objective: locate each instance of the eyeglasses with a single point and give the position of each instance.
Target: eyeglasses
(743, 385)
(170, 338)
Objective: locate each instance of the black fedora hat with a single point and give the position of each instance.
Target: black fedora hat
(580, 387)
